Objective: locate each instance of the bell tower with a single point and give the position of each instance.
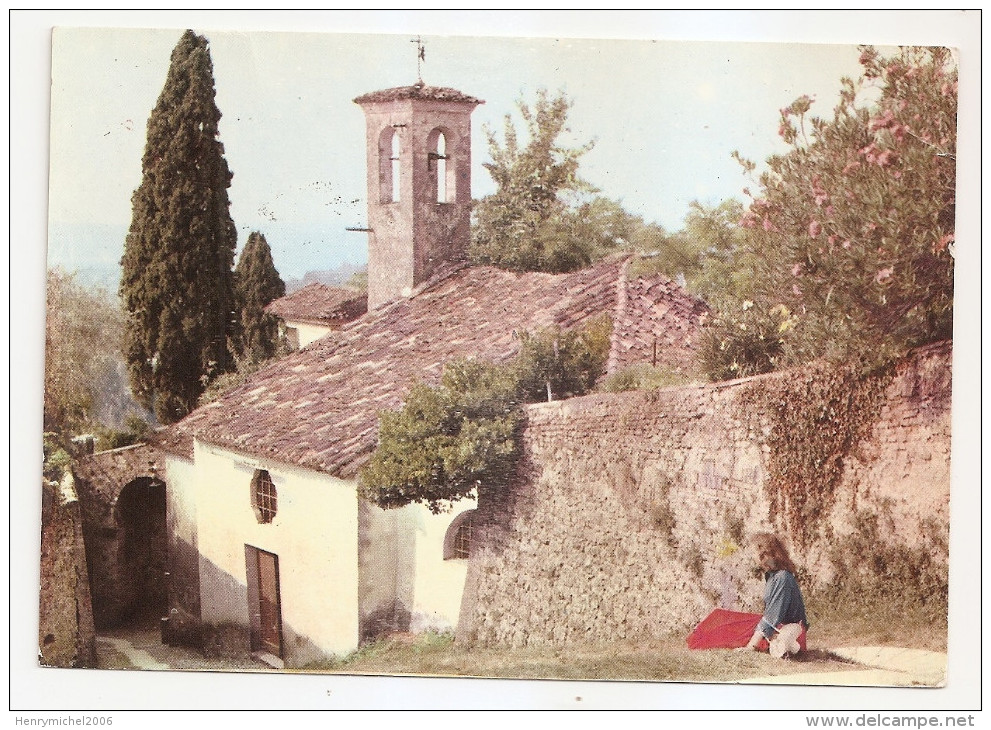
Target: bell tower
(418, 144)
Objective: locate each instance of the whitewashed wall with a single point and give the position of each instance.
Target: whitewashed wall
(439, 583)
(307, 333)
(314, 533)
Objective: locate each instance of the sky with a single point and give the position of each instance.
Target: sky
(665, 118)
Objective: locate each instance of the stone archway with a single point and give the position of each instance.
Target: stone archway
(123, 500)
(142, 549)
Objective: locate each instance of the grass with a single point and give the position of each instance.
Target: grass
(668, 659)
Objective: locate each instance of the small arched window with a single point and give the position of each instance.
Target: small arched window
(389, 148)
(457, 541)
(264, 498)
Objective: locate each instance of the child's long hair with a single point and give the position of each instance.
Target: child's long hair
(772, 554)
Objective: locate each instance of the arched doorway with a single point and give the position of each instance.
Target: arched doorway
(142, 548)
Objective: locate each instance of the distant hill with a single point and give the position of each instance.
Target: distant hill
(331, 277)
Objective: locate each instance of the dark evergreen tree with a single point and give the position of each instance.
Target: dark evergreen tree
(256, 283)
(177, 279)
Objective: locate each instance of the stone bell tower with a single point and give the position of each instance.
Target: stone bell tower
(419, 185)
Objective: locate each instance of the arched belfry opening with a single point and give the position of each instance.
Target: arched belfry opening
(418, 144)
(440, 164)
(389, 170)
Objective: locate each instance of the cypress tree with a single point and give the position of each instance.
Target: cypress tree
(177, 279)
(256, 283)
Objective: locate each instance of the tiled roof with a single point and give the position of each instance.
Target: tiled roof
(321, 304)
(657, 323)
(318, 407)
(417, 91)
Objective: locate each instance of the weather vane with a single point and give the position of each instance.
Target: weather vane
(421, 56)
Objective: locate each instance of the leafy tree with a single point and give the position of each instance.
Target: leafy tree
(528, 224)
(358, 281)
(177, 279)
(447, 442)
(82, 345)
(710, 255)
(256, 284)
(555, 364)
(853, 227)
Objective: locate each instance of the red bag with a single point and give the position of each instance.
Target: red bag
(724, 629)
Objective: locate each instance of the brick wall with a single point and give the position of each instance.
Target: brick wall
(627, 522)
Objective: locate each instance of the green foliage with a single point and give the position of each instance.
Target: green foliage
(177, 282)
(528, 224)
(711, 254)
(81, 346)
(877, 572)
(358, 281)
(244, 367)
(643, 376)
(135, 431)
(818, 416)
(853, 226)
(449, 441)
(56, 457)
(744, 342)
(256, 284)
(555, 364)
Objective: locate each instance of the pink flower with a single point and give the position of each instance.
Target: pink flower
(768, 225)
(884, 274)
(885, 158)
(796, 270)
(830, 211)
(832, 240)
(815, 228)
(795, 290)
(883, 121)
(846, 244)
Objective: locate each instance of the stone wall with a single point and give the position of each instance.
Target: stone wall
(66, 636)
(123, 510)
(628, 520)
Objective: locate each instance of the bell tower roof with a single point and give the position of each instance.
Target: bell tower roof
(417, 91)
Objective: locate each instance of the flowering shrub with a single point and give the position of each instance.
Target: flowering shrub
(855, 224)
(744, 341)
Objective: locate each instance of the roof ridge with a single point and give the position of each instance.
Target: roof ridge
(622, 298)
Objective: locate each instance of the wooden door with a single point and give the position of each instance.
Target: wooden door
(263, 598)
(268, 603)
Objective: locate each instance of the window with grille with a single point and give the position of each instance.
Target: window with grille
(457, 542)
(264, 498)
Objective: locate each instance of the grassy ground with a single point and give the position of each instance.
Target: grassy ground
(666, 659)
(658, 660)
(835, 623)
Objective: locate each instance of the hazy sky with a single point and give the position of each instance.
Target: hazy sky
(665, 117)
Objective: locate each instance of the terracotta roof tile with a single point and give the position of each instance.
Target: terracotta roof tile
(322, 304)
(318, 407)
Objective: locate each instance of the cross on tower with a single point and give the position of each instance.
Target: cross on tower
(421, 56)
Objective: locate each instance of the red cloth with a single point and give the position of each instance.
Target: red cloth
(723, 629)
